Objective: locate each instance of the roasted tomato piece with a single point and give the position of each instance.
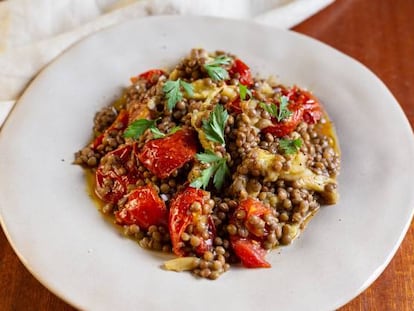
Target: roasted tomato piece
(151, 76)
(144, 208)
(234, 106)
(163, 156)
(110, 187)
(312, 109)
(286, 126)
(183, 214)
(253, 216)
(120, 123)
(251, 254)
(245, 76)
(254, 208)
(139, 110)
(116, 171)
(304, 107)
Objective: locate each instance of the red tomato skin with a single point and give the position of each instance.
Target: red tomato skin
(118, 188)
(250, 253)
(285, 127)
(120, 182)
(249, 249)
(312, 109)
(122, 118)
(312, 114)
(253, 207)
(305, 107)
(181, 217)
(243, 70)
(234, 106)
(165, 155)
(148, 76)
(143, 208)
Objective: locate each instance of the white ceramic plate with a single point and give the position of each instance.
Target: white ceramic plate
(59, 235)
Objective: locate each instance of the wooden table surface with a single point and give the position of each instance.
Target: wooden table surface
(378, 33)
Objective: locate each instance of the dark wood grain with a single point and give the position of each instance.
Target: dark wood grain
(378, 33)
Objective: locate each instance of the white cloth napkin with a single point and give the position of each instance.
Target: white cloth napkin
(33, 32)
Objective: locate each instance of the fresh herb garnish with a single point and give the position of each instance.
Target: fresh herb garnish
(174, 129)
(214, 126)
(270, 108)
(284, 111)
(280, 113)
(172, 91)
(218, 167)
(290, 146)
(243, 91)
(203, 180)
(138, 127)
(214, 69)
(156, 133)
(220, 60)
(188, 87)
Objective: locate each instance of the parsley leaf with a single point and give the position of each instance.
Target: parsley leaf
(214, 69)
(243, 91)
(208, 157)
(221, 173)
(173, 92)
(280, 113)
(218, 167)
(284, 112)
(188, 88)
(290, 146)
(174, 130)
(203, 180)
(138, 127)
(214, 126)
(220, 60)
(156, 133)
(217, 73)
(271, 108)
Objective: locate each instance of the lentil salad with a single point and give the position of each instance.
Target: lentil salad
(211, 164)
